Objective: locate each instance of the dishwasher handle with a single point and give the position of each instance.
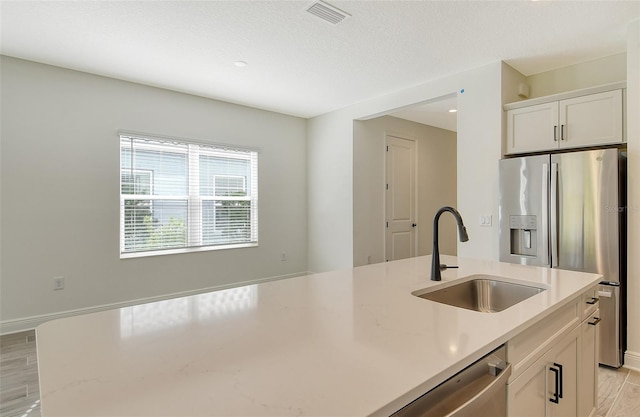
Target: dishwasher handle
(486, 395)
(469, 408)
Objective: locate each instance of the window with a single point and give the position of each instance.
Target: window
(178, 196)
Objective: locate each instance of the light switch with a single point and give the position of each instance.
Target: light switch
(485, 220)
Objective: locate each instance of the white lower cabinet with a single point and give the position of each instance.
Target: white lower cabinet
(588, 370)
(562, 377)
(562, 380)
(549, 386)
(527, 394)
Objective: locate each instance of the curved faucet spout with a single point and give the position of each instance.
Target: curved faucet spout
(436, 267)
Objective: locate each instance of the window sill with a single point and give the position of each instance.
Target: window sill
(185, 250)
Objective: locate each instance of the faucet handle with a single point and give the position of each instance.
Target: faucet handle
(443, 266)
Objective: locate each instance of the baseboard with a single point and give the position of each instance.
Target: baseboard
(632, 360)
(30, 323)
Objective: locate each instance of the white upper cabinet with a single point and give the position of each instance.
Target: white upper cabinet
(582, 121)
(591, 120)
(533, 128)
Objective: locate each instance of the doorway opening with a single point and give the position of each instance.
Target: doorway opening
(433, 130)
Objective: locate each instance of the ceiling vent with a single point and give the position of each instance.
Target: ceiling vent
(327, 12)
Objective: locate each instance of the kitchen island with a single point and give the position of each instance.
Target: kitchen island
(354, 342)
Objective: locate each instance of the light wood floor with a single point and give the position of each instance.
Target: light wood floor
(618, 393)
(619, 389)
(19, 392)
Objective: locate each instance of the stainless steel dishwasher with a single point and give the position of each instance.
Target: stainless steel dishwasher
(479, 390)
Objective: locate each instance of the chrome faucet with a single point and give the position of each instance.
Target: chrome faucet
(436, 266)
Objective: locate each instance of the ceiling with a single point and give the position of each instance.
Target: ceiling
(437, 112)
(299, 64)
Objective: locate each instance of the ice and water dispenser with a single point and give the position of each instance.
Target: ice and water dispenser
(524, 235)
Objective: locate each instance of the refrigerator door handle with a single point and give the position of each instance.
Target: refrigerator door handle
(553, 214)
(545, 214)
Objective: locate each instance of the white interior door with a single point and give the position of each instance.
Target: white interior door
(400, 201)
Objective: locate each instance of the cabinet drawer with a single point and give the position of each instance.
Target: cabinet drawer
(590, 302)
(524, 349)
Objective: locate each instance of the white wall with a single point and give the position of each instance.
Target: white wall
(330, 193)
(511, 80)
(632, 357)
(601, 71)
(330, 153)
(479, 150)
(436, 155)
(60, 191)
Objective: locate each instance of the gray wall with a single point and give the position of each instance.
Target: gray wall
(436, 149)
(60, 191)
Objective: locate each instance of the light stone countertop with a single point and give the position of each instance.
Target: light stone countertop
(354, 342)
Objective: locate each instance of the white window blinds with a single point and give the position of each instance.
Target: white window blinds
(177, 195)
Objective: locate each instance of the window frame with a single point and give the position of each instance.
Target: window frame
(194, 221)
(136, 172)
(244, 183)
(215, 197)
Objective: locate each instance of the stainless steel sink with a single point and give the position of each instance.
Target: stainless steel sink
(484, 294)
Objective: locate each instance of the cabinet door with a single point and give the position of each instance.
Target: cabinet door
(588, 370)
(528, 394)
(555, 373)
(591, 120)
(532, 128)
(565, 357)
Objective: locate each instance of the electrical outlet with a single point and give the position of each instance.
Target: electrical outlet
(283, 258)
(58, 283)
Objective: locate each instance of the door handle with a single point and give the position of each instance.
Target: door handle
(544, 209)
(555, 133)
(561, 132)
(413, 225)
(593, 300)
(554, 214)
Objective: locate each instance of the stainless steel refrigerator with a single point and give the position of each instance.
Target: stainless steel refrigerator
(568, 211)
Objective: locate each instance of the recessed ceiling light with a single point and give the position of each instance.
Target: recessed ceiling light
(240, 64)
(453, 110)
